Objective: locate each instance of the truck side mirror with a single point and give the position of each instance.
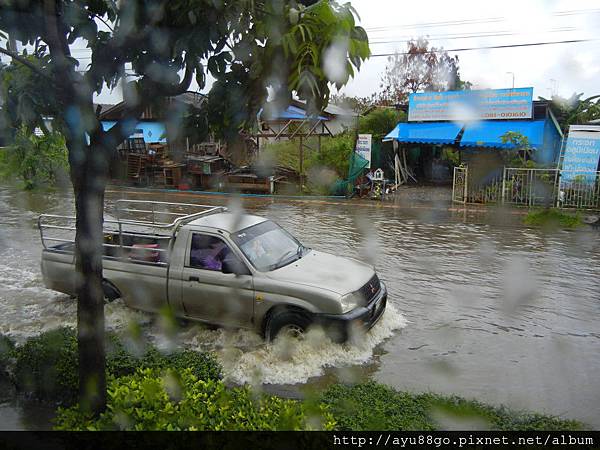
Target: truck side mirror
(231, 264)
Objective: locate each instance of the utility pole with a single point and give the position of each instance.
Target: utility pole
(513, 78)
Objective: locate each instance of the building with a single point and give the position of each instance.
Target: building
(153, 126)
(473, 124)
(159, 151)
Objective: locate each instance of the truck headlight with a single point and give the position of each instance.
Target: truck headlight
(349, 302)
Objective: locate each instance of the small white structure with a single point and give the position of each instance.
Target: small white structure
(378, 175)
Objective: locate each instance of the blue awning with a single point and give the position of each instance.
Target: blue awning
(488, 133)
(153, 132)
(425, 133)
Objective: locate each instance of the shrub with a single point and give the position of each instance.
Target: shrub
(552, 218)
(380, 122)
(334, 155)
(119, 361)
(47, 365)
(7, 348)
(153, 399)
(372, 406)
(35, 160)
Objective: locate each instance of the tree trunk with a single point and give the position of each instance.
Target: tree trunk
(89, 176)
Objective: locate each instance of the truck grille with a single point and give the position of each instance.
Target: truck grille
(370, 290)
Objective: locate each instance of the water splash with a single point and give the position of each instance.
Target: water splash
(282, 362)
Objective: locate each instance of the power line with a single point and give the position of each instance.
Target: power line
(489, 47)
(475, 21)
(472, 36)
(447, 23)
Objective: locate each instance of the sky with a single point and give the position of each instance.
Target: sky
(550, 69)
(561, 69)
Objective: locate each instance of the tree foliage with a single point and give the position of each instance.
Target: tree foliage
(420, 68)
(380, 122)
(357, 104)
(27, 99)
(34, 160)
(574, 110)
(154, 49)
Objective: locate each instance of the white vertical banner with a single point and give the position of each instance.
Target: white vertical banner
(582, 153)
(363, 147)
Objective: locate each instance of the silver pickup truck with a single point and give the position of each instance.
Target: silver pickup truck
(219, 267)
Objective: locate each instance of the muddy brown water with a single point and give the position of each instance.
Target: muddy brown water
(480, 306)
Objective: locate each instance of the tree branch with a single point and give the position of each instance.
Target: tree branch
(27, 63)
(172, 90)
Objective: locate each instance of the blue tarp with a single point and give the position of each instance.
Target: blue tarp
(426, 133)
(154, 132)
(488, 133)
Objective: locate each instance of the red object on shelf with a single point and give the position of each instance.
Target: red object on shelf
(145, 252)
(184, 187)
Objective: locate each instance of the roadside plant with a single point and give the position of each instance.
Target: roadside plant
(520, 153)
(168, 400)
(45, 366)
(380, 121)
(374, 406)
(552, 218)
(7, 348)
(35, 161)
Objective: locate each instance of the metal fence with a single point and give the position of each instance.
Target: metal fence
(529, 187)
(579, 190)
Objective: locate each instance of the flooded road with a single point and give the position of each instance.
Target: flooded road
(479, 306)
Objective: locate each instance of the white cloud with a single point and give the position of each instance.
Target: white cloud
(570, 67)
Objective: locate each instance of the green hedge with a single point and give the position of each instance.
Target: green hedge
(552, 219)
(7, 348)
(154, 399)
(47, 365)
(373, 406)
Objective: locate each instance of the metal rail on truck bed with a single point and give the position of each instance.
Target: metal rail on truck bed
(135, 219)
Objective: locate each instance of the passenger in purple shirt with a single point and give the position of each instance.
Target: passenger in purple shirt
(210, 255)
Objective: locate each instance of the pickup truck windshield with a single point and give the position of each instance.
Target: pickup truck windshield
(268, 246)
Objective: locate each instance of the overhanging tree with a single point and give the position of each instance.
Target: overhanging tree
(574, 110)
(420, 68)
(246, 45)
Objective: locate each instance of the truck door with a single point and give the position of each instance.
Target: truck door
(209, 294)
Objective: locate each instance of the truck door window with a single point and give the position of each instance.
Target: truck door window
(207, 252)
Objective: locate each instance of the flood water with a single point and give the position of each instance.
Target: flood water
(479, 305)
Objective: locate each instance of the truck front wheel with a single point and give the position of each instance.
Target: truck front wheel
(287, 322)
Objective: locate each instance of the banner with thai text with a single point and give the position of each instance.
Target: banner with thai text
(363, 147)
(488, 104)
(582, 154)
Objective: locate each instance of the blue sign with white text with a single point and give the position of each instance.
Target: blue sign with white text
(486, 104)
(582, 154)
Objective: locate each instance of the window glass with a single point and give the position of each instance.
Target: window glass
(268, 246)
(208, 252)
